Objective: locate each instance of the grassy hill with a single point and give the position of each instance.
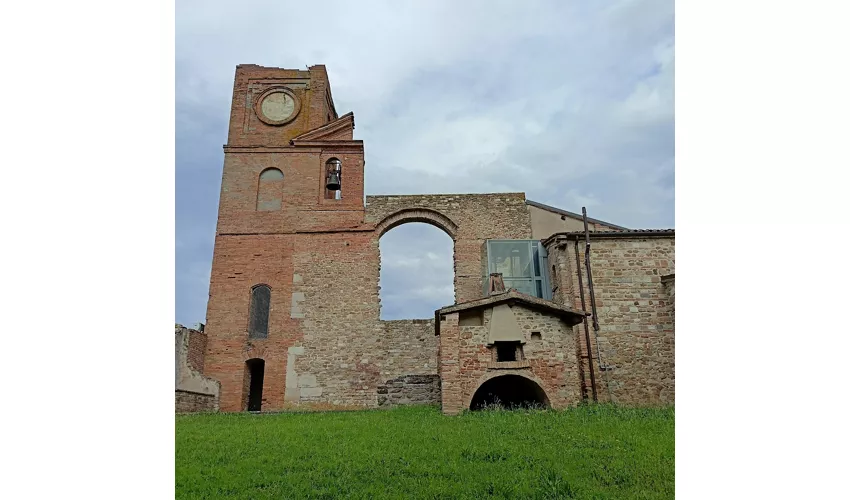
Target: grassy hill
(594, 451)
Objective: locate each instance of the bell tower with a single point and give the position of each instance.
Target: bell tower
(292, 172)
(285, 141)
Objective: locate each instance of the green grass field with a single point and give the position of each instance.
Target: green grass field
(416, 452)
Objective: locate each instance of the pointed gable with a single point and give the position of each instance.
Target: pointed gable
(341, 129)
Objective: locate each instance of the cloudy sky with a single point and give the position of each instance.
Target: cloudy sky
(570, 102)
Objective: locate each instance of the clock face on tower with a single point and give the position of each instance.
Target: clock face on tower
(277, 106)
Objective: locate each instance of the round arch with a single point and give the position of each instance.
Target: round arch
(512, 388)
(439, 277)
(425, 215)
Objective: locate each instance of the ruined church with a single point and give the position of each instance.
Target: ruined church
(551, 307)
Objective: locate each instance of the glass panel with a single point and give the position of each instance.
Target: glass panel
(511, 258)
(539, 289)
(536, 259)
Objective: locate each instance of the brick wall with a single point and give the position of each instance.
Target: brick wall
(466, 362)
(311, 88)
(636, 331)
(193, 391)
(196, 350)
(303, 206)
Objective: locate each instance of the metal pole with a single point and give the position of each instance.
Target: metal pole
(586, 329)
(592, 295)
(589, 273)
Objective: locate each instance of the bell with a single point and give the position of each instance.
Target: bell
(333, 181)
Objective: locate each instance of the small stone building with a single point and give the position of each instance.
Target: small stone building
(508, 349)
(286, 328)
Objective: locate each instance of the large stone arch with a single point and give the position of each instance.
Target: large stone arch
(525, 374)
(425, 215)
(469, 219)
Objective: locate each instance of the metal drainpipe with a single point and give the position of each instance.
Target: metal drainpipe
(593, 298)
(586, 328)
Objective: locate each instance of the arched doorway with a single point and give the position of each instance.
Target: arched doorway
(253, 383)
(509, 392)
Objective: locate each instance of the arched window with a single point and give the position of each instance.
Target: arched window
(333, 173)
(258, 324)
(270, 190)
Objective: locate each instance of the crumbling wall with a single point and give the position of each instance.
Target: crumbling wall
(193, 391)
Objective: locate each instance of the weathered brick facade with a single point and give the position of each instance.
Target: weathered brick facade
(317, 251)
(635, 308)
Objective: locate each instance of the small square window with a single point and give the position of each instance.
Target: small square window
(508, 351)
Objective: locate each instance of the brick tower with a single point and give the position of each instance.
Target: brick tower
(285, 139)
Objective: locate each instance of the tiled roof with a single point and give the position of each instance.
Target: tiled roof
(572, 316)
(627, 233)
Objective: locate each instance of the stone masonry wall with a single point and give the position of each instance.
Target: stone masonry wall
(478, 217)
(669, 282)
(636, 332)
(565, 286)
(346, 353)
(193, 402)
(410, 390)
(466, 362)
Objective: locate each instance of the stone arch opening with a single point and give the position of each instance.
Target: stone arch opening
(424, 215)
(509, 392)
(253, 384)
(416, 271)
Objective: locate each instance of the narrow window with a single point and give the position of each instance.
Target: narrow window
(258, 327)
(333, 179)
(270, 190)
